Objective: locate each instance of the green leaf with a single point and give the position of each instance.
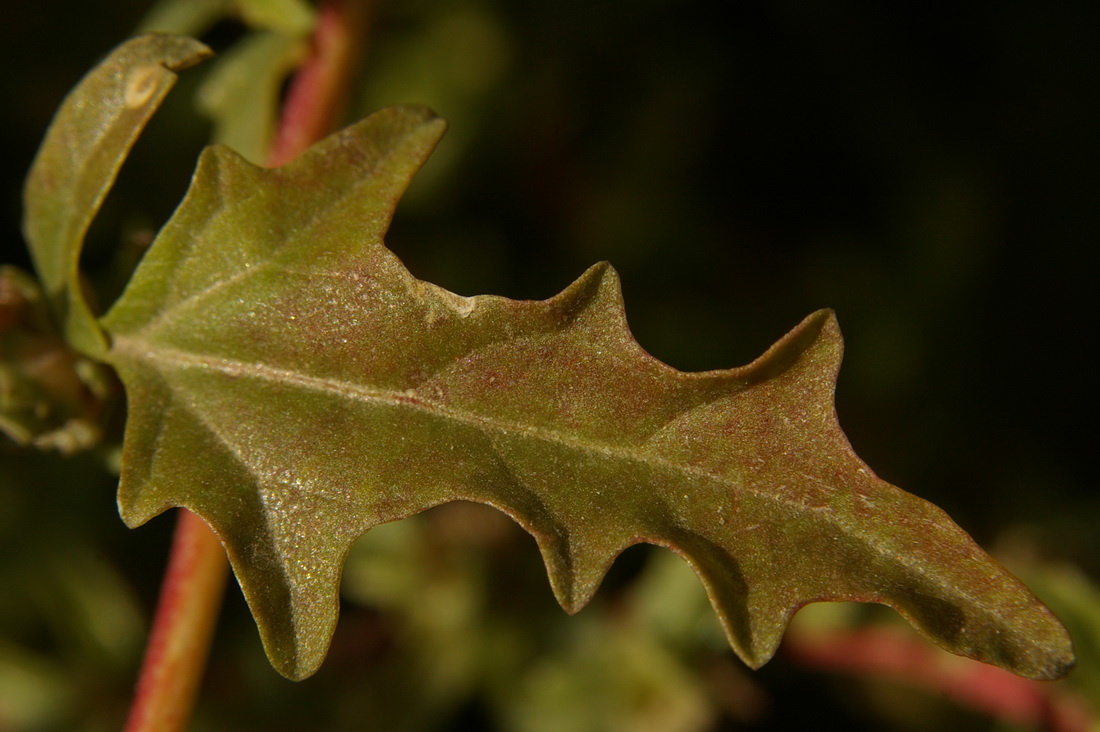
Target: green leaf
(184, 17)
(195, 17)
(293, 384)
(291, 17)
(79, 159)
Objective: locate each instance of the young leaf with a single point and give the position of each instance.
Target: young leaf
(293, 384)
(84, 148)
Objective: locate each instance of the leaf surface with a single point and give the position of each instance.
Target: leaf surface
(293, 384)
(79, 159)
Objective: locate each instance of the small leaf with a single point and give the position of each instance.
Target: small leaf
(294, 385)
(89, 138)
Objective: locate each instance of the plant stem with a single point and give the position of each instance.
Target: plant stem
(899, 654)
(182, 630)
(318, 91)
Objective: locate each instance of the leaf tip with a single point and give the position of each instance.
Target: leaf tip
(598, 289)
(1045, 650)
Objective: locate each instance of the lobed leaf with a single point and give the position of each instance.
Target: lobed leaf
(293, 384)
(79, 159)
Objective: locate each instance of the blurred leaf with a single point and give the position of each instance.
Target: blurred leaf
(610, 677)
(1077, 599)
(90, 607)
(668, 600)
(242, 92)
(450, 62)
(183, 17)
(327, 391)
(50, 396)
(291, 17)
(34, 693)
(195, 17)
(84, 147)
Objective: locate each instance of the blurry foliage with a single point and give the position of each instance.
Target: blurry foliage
(930, 173)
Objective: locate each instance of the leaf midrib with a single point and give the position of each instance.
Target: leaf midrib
(412, 399)
(166, 359)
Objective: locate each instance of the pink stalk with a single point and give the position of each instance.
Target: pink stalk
(318, 93)
(898, 654)
(182, 629)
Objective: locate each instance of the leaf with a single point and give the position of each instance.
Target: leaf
(84, 148)
(196, 17)
(293, 384)
(291, 17)
(184, 17)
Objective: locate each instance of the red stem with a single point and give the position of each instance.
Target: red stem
(182, 630)
(898, 654)
(318, 92)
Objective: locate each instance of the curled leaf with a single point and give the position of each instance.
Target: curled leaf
(79, 159)
(293, 384)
